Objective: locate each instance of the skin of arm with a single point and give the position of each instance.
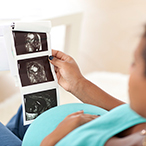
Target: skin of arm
(71, 79)
(89, 93)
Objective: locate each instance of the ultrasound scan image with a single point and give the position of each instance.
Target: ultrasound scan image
(37, 103)
(29, 42)
(33, 42)
(35, 71)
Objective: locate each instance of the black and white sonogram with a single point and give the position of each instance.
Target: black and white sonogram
(37, 103)
(34, 71)
(29, 42)
(33, 42)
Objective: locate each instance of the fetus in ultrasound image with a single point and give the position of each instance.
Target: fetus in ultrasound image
(37, 103)
(29, 42)
(35, 72)
(33, 42)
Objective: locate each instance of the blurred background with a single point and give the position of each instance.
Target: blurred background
(101, 35)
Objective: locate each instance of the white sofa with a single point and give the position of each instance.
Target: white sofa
(115, 84)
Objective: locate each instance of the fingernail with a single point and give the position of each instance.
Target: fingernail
(51, 57)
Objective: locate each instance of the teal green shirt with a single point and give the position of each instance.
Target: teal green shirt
(98, 131)
(94, 133)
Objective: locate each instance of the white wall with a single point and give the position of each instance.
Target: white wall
(110, 28)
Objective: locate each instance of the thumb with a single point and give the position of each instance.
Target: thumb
(56, 62)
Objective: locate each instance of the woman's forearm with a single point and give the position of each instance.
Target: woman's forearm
(49, 140)
(71, 79)
(92, 94)
(52, 138)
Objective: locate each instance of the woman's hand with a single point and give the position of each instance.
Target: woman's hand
(71, 79)
(75, 120)
(67, 71)
(70, 123)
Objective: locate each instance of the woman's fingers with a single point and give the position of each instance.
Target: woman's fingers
(90, 116)
(76, 113)
(81, 113)
(59, 55)
(56, 62)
